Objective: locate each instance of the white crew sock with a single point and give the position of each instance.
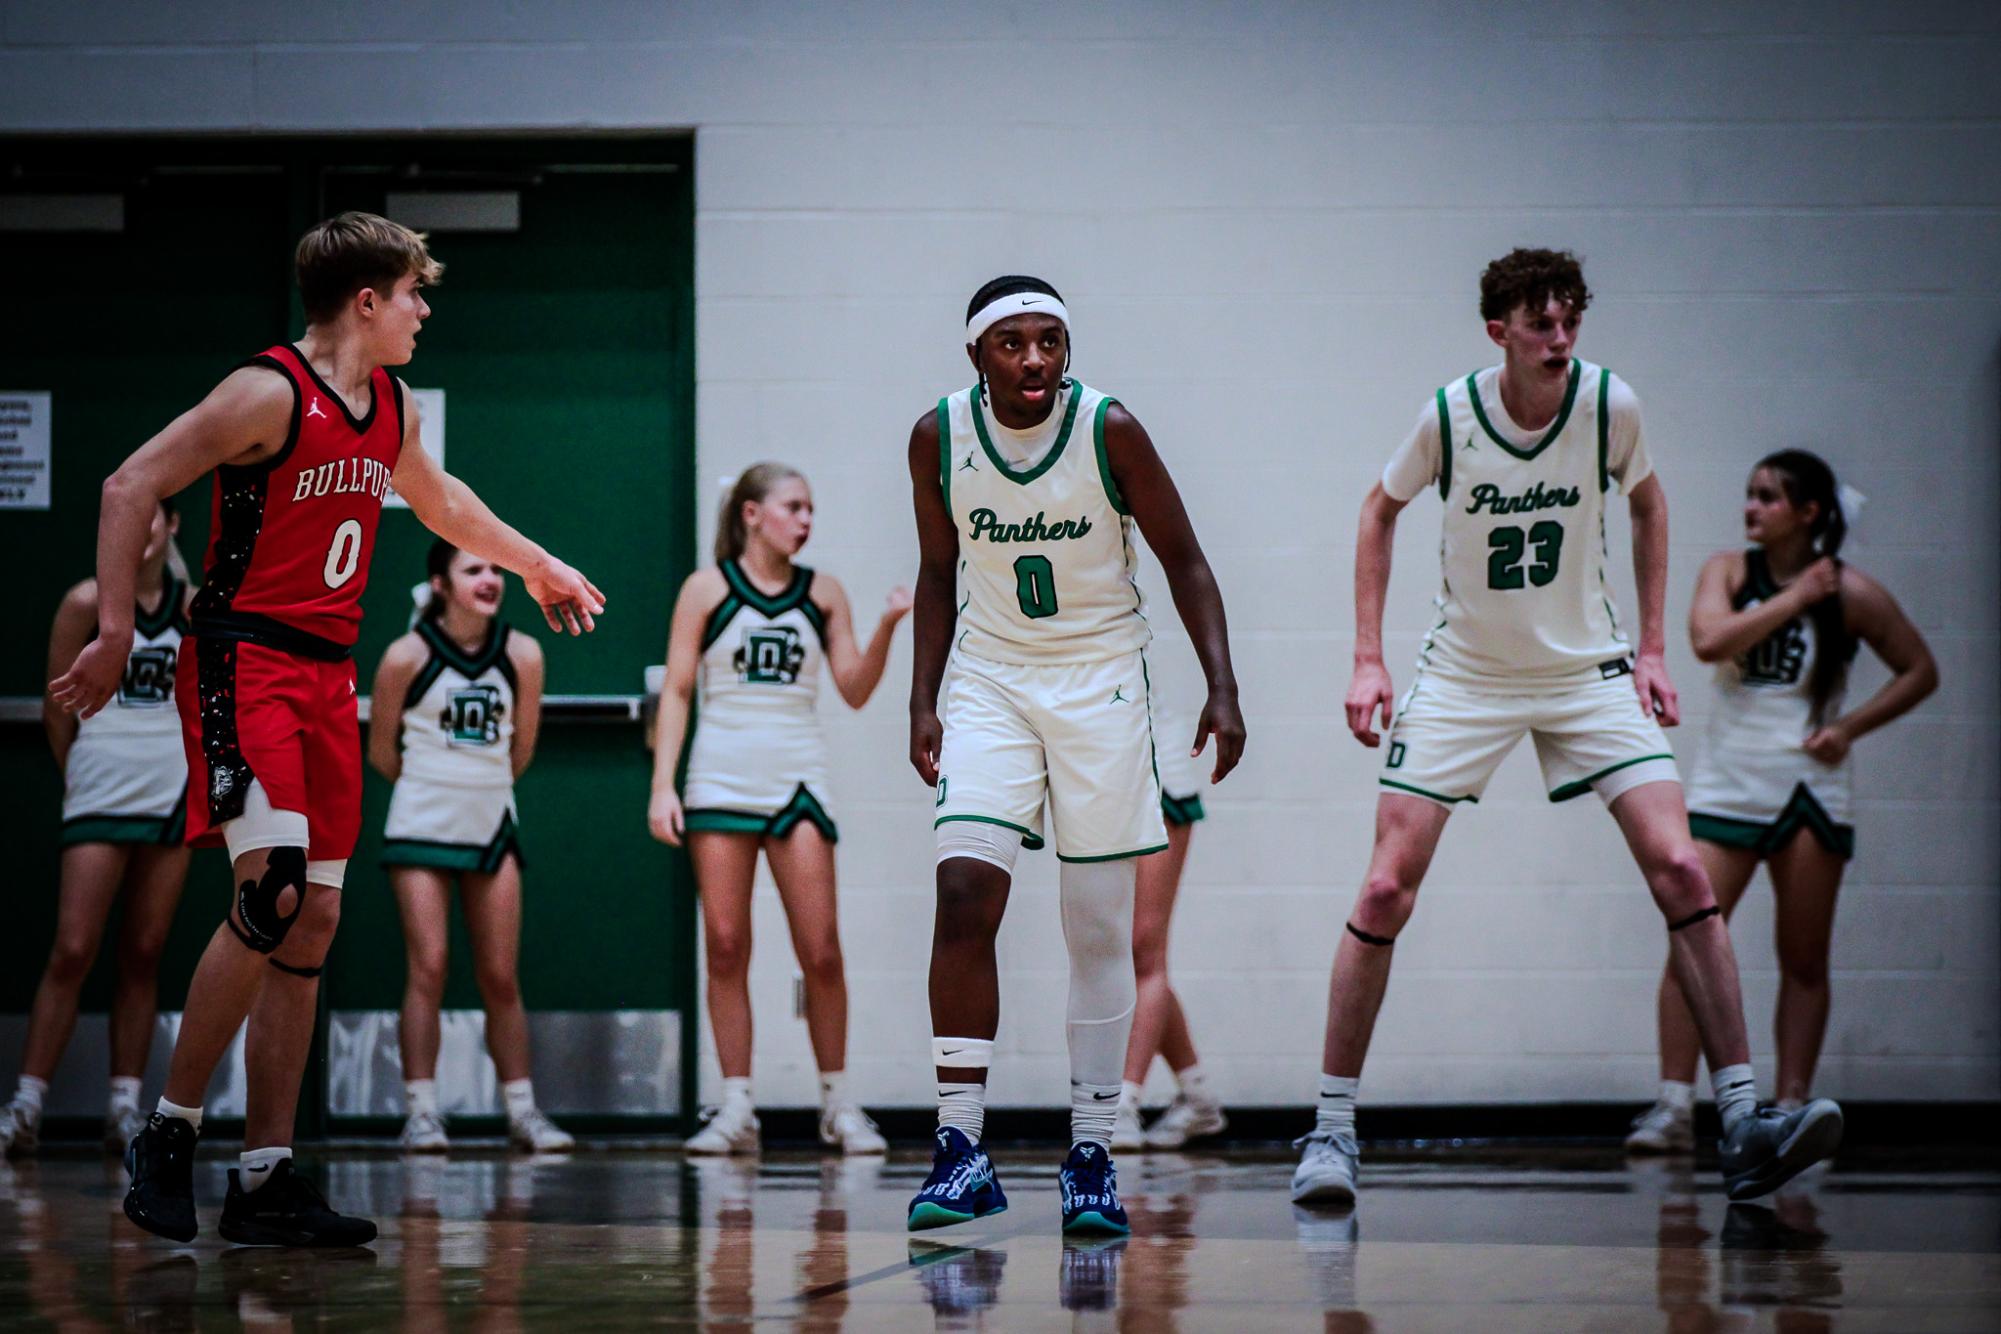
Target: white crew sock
(1678, 1095)
(1736, 1093)
(191, 1115)
(420, 1097)
(736, 1093)
(1334, 1113)
(1094, 1110)
(1129, 1094)
(124, 1091)
(833, 1089)
(963, 1104)
(1194, 1083)
(519, 1095)
(254, 1166)
(28, 1095)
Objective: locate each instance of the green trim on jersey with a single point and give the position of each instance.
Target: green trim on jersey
(743, 593)
(1055, 450)
(1426, 792)
(1583, 785)
(1444, 447)
(1182, 810)
(441, 856)
(1104, 463)
(945, 453)
(444, 653)
(719, 620)
(148, 830)
(1030, 840)
(1115, 856)
(169, 615)
(1549, 436)
(803, 806)
(1766, 837)
(712, 820)
(1604, 430)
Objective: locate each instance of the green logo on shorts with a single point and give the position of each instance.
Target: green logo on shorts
(1396, 756)
(941, 791)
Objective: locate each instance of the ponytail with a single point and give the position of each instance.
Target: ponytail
(1806, 479)
(752, 484)
(437, 565)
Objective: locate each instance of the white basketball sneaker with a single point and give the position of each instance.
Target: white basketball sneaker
(1326, 1171)
(1127, 1133)
(20, 1131)
(1663, 1128)
(424, 1132)
(848, 1128)
(732, 1128)
(536, 1133)
(1185, 1119)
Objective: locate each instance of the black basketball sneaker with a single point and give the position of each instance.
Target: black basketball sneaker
(161, 1161)
(287, 1211)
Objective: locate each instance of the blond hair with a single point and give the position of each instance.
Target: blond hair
(344, 254)
(752, 484)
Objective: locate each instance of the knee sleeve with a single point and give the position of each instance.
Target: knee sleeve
(994, 844)
(1097, 900)
(264, 927)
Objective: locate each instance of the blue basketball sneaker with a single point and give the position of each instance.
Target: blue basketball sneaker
(962, 1185)
(1090, 1187)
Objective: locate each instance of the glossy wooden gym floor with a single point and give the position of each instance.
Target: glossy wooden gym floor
(1459, 1240)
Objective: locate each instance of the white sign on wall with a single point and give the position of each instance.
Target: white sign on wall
(430, 431)
(24, 450)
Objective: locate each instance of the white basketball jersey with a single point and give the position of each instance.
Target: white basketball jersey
(1046, 560)
(761, 654)
(458, 719)
(1764, 695)
(143, 709)
(1523, 544)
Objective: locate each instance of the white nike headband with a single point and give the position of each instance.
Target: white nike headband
(1014, 303)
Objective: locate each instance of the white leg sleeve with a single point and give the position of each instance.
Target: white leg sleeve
(1098, 930)
(983, 841)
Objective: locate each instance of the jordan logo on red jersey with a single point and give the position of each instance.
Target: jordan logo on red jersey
(314, 410)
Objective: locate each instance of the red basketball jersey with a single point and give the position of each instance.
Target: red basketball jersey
(290, 538)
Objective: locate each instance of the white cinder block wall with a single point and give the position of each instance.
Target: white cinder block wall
(1269, 220)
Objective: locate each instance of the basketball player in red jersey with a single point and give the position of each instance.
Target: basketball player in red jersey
(303, 439)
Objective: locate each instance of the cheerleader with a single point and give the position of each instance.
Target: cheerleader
(124, 787)
(456, 709)
(753, 632)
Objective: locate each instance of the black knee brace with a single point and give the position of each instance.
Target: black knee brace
(1694, 917)
(263, 928)
(1367, 939)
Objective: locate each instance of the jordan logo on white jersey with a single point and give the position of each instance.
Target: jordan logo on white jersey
(314, 410)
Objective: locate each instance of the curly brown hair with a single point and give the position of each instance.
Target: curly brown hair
(1530, 277)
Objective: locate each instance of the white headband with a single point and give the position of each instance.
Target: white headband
(1014, 303)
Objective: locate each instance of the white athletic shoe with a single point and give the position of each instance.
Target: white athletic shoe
(848, 1128)
(1663, 1128)
(1326, 1171)
(731, 1129)
(1184, 1120)
(424, 1132)
(122, 1124)
(536, 1133)
(1127, 1133)
(20, 1132)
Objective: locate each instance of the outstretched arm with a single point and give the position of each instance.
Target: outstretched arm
(243, 420)
(448, 507)
(1881, 624)
(856, 669)
(1369, 691)
(1149, 495)
(934, 615)
(1648, 501)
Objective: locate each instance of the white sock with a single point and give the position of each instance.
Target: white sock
(1736, 1093)
(420, 1097)
(963, 1105)
(833, 1089)
(519, 1094)
(1094, 1109)
(1129, 1094)
(124, 1091)
(736, 1092)
(254, 1167)
(1194, 1082)
(191, 1115)
(1678, 1095)
(1334, 1114)
(28, 1096)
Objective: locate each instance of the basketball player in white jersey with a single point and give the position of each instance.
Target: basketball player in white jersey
(1781, 621)
(454, 716)
(1524, 456)
(754, 633)
(1027, 486)
(124, 780)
